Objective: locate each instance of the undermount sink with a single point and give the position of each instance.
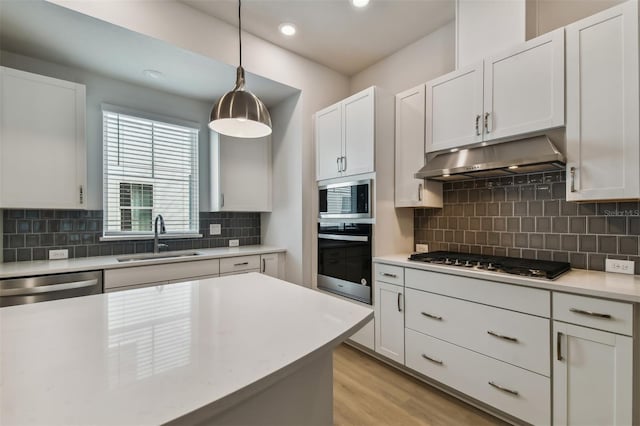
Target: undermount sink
(163, 255)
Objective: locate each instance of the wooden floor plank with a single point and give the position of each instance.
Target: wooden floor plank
(369, 392)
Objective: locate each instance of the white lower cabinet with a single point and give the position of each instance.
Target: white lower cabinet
(389, 317)
(592, 369)
(272, 264)
(515, 391)
(592, 377)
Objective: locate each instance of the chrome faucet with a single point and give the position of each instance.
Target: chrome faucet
(163, 230)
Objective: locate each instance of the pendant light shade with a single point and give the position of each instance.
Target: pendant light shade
(239, 113)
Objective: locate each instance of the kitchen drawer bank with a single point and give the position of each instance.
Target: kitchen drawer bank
(46, 267)
(488, 338)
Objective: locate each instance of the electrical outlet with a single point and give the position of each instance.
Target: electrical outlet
(620, 266)
(58, 254)
(215, 229)
(422, 248)
(234, 243)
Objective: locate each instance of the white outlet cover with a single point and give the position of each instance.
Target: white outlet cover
(234, 243)
(215, 229)
(58, 254)
(422, 248)
(620, 266)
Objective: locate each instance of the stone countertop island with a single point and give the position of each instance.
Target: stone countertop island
(243, 349)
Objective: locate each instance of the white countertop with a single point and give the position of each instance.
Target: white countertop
(44, 267)
(151, 355)
(578, 281)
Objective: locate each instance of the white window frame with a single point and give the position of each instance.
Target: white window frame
(194, 191)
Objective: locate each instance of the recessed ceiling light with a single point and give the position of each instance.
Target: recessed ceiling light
(513, 167)
(287, 29)
(153, 74)
(359, 3)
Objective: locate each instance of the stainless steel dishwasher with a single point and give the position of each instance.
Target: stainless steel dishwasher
(19, 291)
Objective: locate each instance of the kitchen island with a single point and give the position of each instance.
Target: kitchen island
(244, 349)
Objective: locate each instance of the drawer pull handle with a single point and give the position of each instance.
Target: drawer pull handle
(241, 264)
(435, 361)
(592, 314)
(501, 336)
(503, 389)
(386, 274)
(435, 317)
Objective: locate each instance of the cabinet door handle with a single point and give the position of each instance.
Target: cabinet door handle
(590, 313)
(264, 266)
(486, 122)
(501, 336)
(435, 317)
(344, 164)
(338, 164)
(241, 264)
(503, 389)
(420, 192)
(559, 346)
(435, 361)
(399, 298)
(478, 117)
(81, 194)
(386, 274)
(221, 200)
(572, 171)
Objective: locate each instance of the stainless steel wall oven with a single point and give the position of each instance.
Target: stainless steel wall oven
(344, 259)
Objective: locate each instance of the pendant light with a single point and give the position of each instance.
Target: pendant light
(239, 113)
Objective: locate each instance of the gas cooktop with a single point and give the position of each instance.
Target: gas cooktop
(507, 265)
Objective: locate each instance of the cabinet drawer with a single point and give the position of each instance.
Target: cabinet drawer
(607, 315)
(512, 337)
(240, 263)
(125, 277)
(522, 299)
(472, 373)
(389, 274)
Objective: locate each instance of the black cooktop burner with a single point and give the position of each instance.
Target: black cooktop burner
(508, 265)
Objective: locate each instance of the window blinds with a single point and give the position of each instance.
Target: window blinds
(150, 168)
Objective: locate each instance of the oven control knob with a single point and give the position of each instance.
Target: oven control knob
(363, 281)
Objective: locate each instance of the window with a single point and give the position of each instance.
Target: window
(150, 168)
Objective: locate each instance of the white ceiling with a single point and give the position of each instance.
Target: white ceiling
(333, 32)
(52, 33)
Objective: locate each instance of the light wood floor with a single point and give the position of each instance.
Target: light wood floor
(369, 392)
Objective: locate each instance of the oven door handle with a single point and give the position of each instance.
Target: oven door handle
(338, 237)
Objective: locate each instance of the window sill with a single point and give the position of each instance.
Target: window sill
(148, 237)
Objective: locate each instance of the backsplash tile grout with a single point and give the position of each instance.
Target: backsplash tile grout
(528, 216)
(30, 234)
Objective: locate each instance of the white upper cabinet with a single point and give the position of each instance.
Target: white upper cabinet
(454, 109)
(515, 93)
(358, 126)
(409, 146)
(328, 129)
(43, 156)
(345, 136)
(240, 174)
(524, 88)
(603, 148)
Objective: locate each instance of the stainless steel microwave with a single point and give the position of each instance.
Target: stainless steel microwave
(345, 200)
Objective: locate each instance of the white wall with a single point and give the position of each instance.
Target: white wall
(547, 15)
(101, 89)
(419, 62)
(182, 26)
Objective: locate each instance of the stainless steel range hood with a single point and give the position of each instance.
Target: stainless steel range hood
(529, 155)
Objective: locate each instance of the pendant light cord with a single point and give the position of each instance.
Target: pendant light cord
(240, 29)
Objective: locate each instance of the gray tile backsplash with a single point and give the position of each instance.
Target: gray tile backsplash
(528, 216)
(30, 234)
